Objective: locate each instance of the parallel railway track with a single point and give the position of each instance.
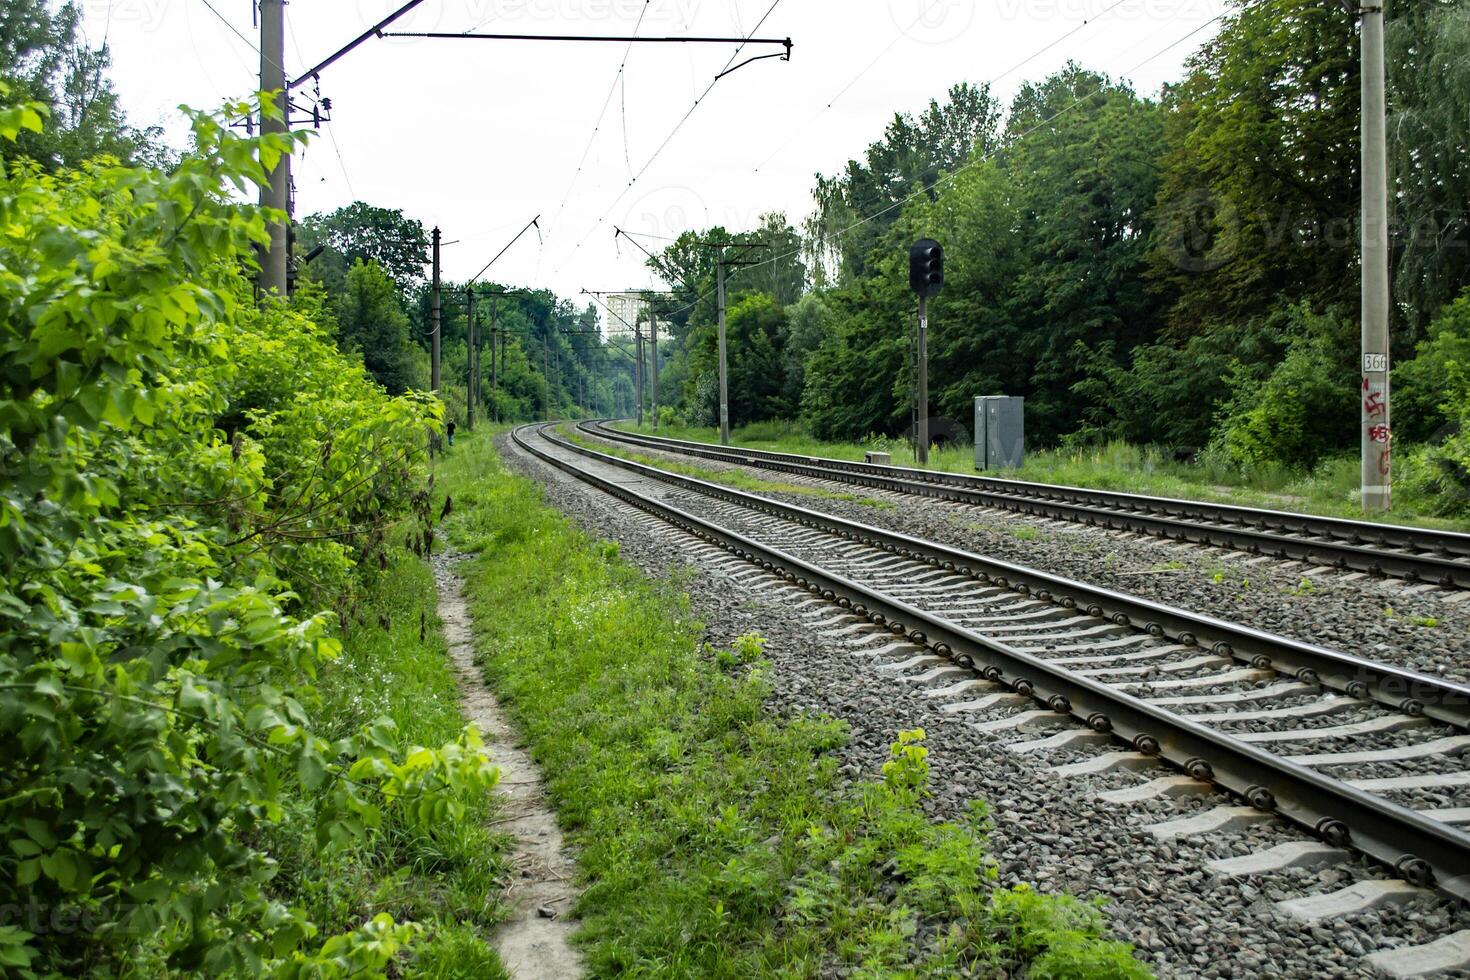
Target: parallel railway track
(1339, 745)
(1414, 554)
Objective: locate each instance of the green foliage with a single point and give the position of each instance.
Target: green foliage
(717, 840)
(1429, 127)
(371, 321)
(362, 233)
(45, 57)
(1306, 407)
(1426, 400)
(157, 666)
(1044, 249)
(1259, 186)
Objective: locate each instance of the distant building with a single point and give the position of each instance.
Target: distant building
(627, 309)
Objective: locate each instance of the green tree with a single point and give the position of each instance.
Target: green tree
(1428, 131)
(43, 58)
(363, 233)
(1084, 176)
(910, 159)
(371, 322)
(1259, 194)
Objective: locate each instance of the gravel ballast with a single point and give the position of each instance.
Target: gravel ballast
(1387, 620)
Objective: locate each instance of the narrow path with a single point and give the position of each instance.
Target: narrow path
(534, 941)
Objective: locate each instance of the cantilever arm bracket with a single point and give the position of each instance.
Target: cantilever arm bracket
(783, 55)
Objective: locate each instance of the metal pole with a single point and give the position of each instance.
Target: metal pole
(724, 369)
(470, 372)
(1377, 479)
(434, 319)
(638, 368)
(274, 193)
(923, 420)
(653, 342)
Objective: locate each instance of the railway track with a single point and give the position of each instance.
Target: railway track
(1347, 749)
(1418, 555)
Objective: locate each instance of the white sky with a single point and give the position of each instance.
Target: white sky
(480, 136)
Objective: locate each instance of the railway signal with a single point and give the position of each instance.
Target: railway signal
(926, 276)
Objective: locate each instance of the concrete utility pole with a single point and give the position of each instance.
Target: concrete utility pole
(653, 342)
(494, 335)
(1377, 478)
(471, 367)
(724, 368)
(434, 318)
(275, 193)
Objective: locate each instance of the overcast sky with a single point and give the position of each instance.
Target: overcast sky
(480, 136)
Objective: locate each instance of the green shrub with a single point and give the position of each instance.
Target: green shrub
(1306, 408)
(1426, 400)
(166, 509)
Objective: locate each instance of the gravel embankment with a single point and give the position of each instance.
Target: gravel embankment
(1051, 832)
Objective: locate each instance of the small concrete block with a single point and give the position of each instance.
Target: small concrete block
(1023, 721)
(858, 627)
(1076, 736)
(1106, 762)
(1293, 854)
(1217, 820)
(1157, 788)
(945, 671)
(985, 703)
(1399, 753)
(923, 660)
(1455, 598)
(1450, 952)
(1383, 723)
(963, 687)
(1361, 897)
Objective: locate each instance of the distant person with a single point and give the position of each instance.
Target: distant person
(449, 431)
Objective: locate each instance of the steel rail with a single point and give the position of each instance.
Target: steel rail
(1404, 690)
(1269, 534)
(1419, 848)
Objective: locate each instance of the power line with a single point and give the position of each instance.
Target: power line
(747, 39)
(902, 33)
(248, 43)
(556, 218)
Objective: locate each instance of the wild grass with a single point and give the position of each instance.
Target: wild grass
(395, 664)
(1330, 489)
(714, 838)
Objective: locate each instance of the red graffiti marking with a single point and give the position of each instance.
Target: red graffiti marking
(1378, 433)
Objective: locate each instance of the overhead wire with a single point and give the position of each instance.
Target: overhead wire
(249, 43)
(974, 162)
(597, 126)
(677, 126)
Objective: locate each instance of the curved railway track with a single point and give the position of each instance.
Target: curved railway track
(1414, 554)
(1339, 745)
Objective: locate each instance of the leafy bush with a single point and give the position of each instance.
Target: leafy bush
(1425, 401)
(1307, 407)
(173, 461)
